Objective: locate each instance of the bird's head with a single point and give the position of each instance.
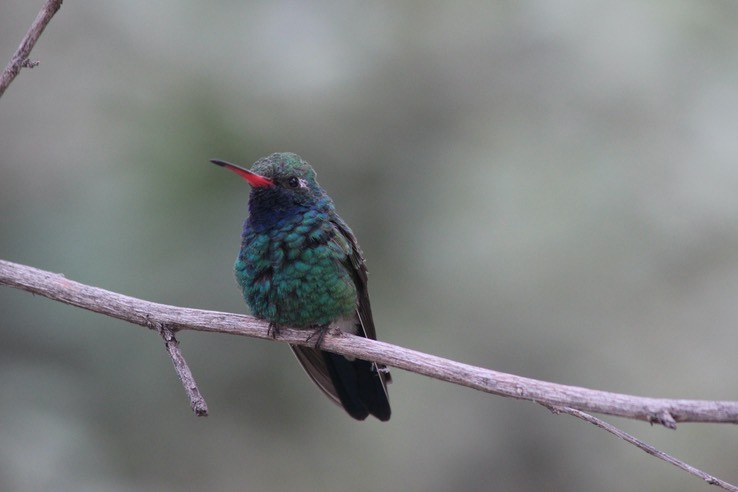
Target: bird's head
(280, 183)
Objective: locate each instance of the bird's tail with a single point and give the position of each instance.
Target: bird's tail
(357, 385)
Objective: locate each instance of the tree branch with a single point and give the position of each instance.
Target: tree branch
(666, 412)
(20, 58)
(557, 397)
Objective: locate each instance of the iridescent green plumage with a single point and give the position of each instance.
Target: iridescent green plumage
(300, 265)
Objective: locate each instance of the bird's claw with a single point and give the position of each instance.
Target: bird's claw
(273, 330)
(319, 332)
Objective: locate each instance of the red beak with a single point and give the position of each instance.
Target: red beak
(255, 180)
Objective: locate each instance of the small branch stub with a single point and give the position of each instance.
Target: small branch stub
(197, 402)
(664, 418)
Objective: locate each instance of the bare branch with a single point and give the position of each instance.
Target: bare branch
(20, 58)
(653, 410)
(557, 397)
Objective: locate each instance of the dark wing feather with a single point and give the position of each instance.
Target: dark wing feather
(357, 266)
(315, 366)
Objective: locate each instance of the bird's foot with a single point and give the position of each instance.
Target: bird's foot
(273, 330)
(319, 335)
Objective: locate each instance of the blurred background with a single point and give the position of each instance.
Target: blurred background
(548, 188)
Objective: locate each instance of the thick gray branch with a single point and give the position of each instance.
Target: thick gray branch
(654, 410)
(20, 57)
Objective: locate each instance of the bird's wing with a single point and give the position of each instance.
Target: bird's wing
(356, 265)
(316, 368)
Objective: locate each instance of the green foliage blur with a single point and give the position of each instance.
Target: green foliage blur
(543, 188)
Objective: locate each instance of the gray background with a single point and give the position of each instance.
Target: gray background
(547, 188)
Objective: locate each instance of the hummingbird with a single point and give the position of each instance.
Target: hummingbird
(301, 266)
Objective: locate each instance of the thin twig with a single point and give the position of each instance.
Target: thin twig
(197, 402)
(20, 57)
(645, 447)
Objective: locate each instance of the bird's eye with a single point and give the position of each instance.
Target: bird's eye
(293, 182)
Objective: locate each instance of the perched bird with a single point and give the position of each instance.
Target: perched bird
(300, 266)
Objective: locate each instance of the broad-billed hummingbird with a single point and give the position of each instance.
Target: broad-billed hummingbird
(301, 266)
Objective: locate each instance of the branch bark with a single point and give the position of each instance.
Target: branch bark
(666, 412)
(20, 57)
